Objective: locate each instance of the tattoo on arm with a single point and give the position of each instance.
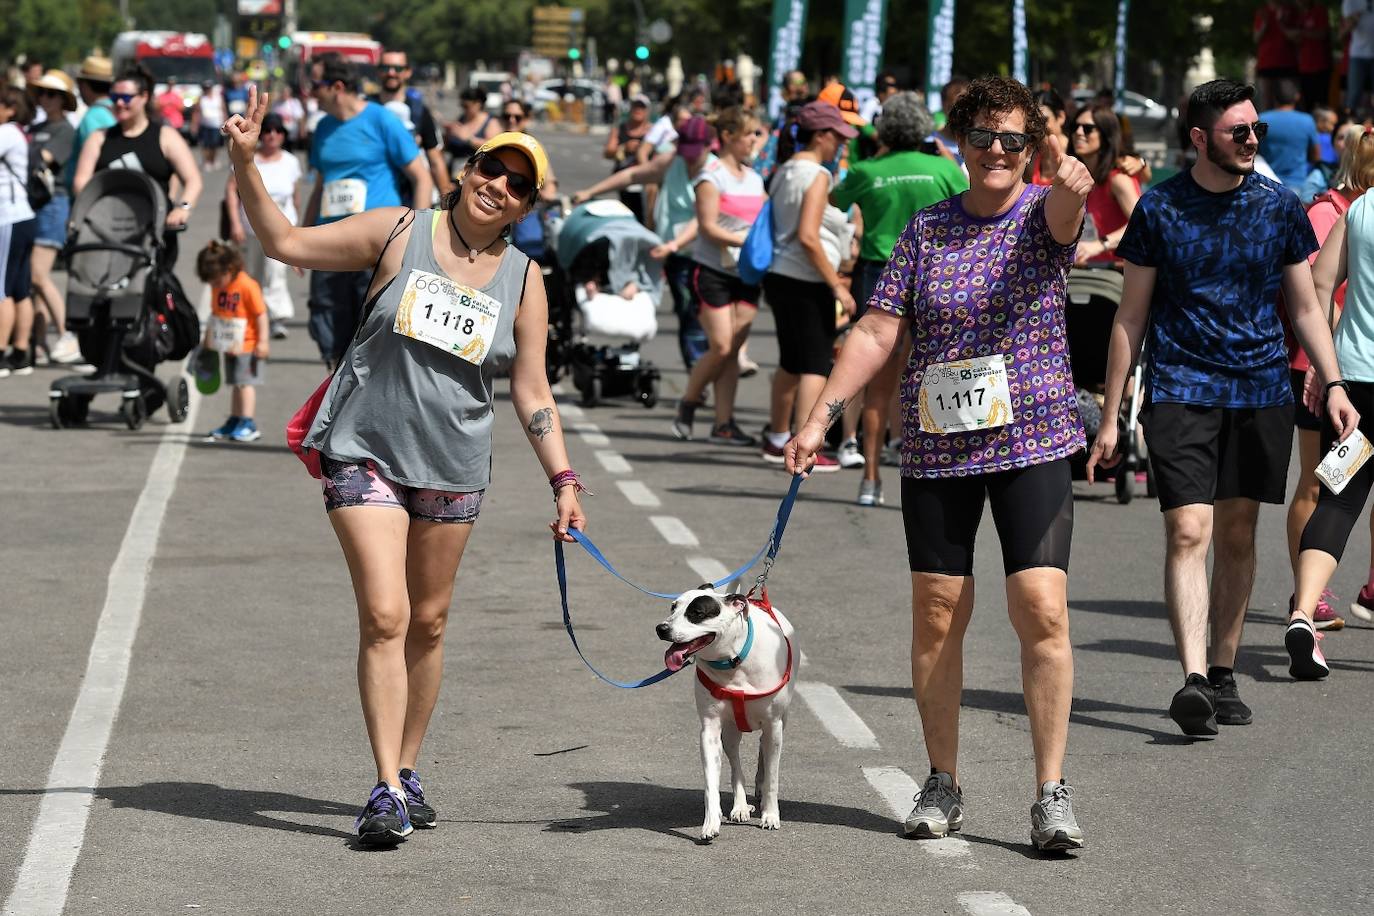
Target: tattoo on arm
(541, 423)
(833, 411)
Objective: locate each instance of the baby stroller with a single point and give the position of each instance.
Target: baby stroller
(1094, 294)
(605, 288)
(127, 308)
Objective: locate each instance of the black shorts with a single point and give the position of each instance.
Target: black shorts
(717, 289)
(804, 318)
(1032, 508)
(1302, 417)
(1203, 454)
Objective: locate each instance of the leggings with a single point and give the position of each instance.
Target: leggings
(804, 316)
(691, 339)
(1032, 508)
(1329, 527)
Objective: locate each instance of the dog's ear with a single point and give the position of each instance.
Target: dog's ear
(737, 601)
(706, 587)
(736, 587)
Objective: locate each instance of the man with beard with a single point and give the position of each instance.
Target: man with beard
(395, 73)
(1206, 253)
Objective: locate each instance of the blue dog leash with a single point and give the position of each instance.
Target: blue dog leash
(768, 553)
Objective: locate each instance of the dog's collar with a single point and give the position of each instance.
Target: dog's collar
(738, 660)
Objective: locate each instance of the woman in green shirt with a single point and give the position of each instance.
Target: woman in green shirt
(888, 190)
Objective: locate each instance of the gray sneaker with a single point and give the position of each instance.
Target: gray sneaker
(939, 809)
(1053, 826)
(870, 493)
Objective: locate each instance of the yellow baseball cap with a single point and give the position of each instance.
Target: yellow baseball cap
(526, 144)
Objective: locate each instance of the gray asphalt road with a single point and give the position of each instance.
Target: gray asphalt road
(238, 758)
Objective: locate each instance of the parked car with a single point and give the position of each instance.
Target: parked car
(564, 91)
(1149, 119)
(495, 83)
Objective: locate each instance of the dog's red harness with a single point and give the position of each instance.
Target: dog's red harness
(738, 698)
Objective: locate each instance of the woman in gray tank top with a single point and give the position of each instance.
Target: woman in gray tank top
(406, 421)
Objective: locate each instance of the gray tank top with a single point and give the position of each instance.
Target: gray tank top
(422, 414)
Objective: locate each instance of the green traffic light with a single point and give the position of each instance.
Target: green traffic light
(642, 52)
(284, 42)
(574, 53)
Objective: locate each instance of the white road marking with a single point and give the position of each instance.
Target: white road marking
(898, 790)
(613, 462)
(570, 412)
(639, 495)
(990, 903)
(710, 570)
(40, 888)
(836, 715)
(592, 435)
(673, 530)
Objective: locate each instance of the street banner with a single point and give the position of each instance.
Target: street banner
(788, 32)
(940, 54)
(1123, 9)
(1020, 69)
(864, 27)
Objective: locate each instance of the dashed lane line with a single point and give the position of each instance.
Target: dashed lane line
(640, 495)
(837, 716)
(898, 790)
(674, 531)
(990, 903)
(592, 435)
(60, 828)
(613, 462)
(710, 570)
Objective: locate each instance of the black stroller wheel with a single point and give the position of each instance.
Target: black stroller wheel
(648, 391)
(69, 411)
(133, 411)
(56, 411)
(178, 400)
(1125, 483)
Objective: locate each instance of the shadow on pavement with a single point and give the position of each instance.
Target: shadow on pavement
(1156, 610)
(1010, 702)
(640, 806)
(1025, 850)
(26, 415)
(209, 802)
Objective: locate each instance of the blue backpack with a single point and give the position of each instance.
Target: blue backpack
(756, 254)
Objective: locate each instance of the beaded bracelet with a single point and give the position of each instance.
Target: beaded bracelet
(566, 478)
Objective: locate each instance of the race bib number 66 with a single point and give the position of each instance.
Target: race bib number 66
(1344, 461)
(447, 315)
(965, 395)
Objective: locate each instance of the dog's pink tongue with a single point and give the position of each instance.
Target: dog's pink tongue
(676, 656)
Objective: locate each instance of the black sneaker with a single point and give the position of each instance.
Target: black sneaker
(729, 433)
(682, 423)
(421, 814)
(384, 821)
(1231, 709)
(1194, 707)
(20, 362)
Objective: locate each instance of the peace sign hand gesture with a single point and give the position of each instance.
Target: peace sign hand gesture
(243, 131)
(1069, 173)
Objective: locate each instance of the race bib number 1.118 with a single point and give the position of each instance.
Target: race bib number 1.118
(965, 395)
(447, 315)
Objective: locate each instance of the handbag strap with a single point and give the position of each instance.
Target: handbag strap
(371, 303)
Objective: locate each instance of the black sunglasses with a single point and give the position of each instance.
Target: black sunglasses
(323, 84)
(1085, 129)
(1012, 142)
(123, 98)
(513, 116)
(392, 68)
(1241, 132)
(491, 168)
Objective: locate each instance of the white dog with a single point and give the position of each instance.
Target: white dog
(748, 652)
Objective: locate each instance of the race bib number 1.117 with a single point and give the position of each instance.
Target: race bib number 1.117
(965, 395)
(447, 315)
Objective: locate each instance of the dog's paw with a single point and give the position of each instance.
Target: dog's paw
(741, 813)
(710, 830)
(770, 820)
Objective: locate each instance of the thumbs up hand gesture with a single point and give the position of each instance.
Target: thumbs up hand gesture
(1069, 173)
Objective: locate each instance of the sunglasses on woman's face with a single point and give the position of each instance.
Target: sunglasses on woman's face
(1241, 132)
(513, 117)
(1012, 142)
(491, 168)
(1085, 129)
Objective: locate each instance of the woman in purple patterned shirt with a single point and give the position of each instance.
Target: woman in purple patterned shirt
(988, 416)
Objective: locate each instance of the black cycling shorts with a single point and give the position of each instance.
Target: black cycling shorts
(1032, 508)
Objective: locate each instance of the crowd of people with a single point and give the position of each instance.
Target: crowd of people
(917, 277)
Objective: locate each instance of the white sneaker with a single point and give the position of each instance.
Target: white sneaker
(66, 351)
(849, 455)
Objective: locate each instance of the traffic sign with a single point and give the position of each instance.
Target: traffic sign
(558, 31)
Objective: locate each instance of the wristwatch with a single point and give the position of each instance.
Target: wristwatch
(1338, 383)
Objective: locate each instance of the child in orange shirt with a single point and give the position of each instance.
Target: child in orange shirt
(238, 330)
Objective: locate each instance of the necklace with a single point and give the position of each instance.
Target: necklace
(472, 252)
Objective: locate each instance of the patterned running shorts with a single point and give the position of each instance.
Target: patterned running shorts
(360, 484)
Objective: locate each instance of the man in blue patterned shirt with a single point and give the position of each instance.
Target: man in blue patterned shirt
(1206, 253)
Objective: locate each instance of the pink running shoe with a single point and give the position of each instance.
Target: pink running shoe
(1363, 606)
(1325, 617)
